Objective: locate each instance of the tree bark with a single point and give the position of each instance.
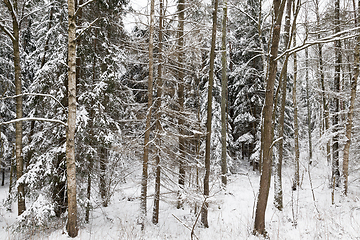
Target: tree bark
(223, 99)
(204, 210)
(278, 198)
(352, 103)
(72, 227)
(296, 124)
(181, 122)
(155, 217)
(308, 103)
(336, 118)
(259, 226)
(148, 118)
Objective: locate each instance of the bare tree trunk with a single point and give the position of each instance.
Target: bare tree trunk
(15, 37)
(296, 124)
(308, 103)
(259, 226)
(338, 60)
(181, 122)
(148, 118)
(278, 198)
(204, 210)
(155, 217)
(223, 99)
(352, 103)
(71, 124)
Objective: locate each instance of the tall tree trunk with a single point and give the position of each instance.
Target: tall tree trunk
(335, 163)
(308, 103)
(352, 103)
(15, 37)
(296, 123)
(181, 122)
(204, 210)
(148, 118)
(103, 182)
(223, 98)
(155, 217)
(278, 198)
(322, 82)
(259, 226)
(71, 124)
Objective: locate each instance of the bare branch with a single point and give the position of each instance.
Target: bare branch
(33, 119)
(34, 94)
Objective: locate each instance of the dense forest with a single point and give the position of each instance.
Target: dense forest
(168, 106)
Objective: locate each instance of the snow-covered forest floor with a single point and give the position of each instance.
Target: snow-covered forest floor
(230, 215)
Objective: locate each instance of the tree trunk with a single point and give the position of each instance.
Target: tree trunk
(71, 124)
(223, 99)
(13, 9)
(204, 210)
(103, 182)
(308, 103)
(322, 82)
(296, 124)
(352, 103)
(148, 118)
(155, 217)
(335, 163)
(259, 226)
(278, 198)
(181, 16)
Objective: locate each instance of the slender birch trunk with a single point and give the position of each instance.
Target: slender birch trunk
(223, 98)
(204, 210)
(352, 103)
(148, 118)
(155, 217)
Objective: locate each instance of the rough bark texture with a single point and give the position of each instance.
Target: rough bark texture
(181, 122)
(155, 217)
(13, 9)
(278, 198)
(204, 210)
(352, 103)
(71, 227)
(259, 226)
(148, 118)
(223, 98)
(308, 104)
(296, 124)
(336, 118)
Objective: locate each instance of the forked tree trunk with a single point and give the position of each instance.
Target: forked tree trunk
(71, 124)
(223, 98)
(259, 226)
(352, 103)
(155, 217)
(204, 210)
(148, 118)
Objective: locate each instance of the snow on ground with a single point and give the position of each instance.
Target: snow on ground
(231, 213)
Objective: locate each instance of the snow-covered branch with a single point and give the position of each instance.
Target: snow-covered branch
(331, 38)
(33, 119)
(81, 6)
(34, 94)
(7, 32)
(90, 25)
